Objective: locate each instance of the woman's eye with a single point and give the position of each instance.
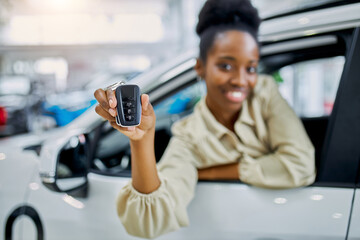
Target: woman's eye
(251, 69)
(225, 66)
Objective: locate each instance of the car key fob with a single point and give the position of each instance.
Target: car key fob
(128, 105)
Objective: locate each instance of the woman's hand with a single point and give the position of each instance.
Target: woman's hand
(107, 109)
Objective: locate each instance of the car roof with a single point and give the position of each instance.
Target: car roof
(300, 6)
(310, 23)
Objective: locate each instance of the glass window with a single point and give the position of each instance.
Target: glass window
(310, 87)
(182, 101)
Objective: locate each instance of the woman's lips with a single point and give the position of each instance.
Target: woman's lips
(235, 96)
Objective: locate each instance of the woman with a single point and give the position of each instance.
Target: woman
(242, 129)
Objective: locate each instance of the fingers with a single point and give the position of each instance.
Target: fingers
(101, 97)
(112, 100)
(146, 105)
(99, 110)
(103, 113)
(107, 100)
(107, 110)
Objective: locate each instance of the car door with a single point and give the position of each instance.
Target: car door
(322, 210)
(232, 210)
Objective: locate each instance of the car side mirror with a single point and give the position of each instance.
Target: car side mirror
(69, 173)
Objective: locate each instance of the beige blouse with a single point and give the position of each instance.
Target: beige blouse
(269, 141)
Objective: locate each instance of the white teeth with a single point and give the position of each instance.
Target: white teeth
(236, 94)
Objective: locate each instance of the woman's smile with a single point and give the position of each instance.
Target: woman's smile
(236, 96)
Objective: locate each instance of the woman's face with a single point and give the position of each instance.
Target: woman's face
(229, 71)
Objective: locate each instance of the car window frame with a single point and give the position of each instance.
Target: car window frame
(187, 77)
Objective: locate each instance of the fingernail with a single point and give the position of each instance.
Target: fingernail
(111, 102)
(112, 112)
(131, 129)
(146, 106)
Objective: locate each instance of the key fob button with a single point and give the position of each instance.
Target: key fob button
(128, 104)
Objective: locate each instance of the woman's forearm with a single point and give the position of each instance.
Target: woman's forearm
(143, 164)
(221, 172)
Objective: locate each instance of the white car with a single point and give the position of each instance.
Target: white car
(64, 184)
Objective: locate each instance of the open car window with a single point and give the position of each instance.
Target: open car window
(310, 86)
(308, 72)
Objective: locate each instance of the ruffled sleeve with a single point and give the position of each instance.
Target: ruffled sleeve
(164, 210)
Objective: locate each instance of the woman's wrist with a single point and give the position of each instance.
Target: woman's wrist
(143, 163)
(146, 138)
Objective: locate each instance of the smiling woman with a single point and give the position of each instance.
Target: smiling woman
(242, 129)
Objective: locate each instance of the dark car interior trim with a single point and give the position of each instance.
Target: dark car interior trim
(343, 136)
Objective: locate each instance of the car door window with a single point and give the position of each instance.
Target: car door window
(310, 86)
(308, 72)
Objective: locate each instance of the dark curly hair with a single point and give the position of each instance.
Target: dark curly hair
(218, 16)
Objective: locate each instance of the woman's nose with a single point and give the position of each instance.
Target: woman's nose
(239, 77)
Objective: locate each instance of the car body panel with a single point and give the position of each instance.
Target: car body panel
(95, 216)
(15, 185)
(354, 229)
(272, 211)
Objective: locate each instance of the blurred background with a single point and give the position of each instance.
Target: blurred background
(55, 53)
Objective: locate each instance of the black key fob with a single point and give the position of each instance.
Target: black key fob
(128, 105)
